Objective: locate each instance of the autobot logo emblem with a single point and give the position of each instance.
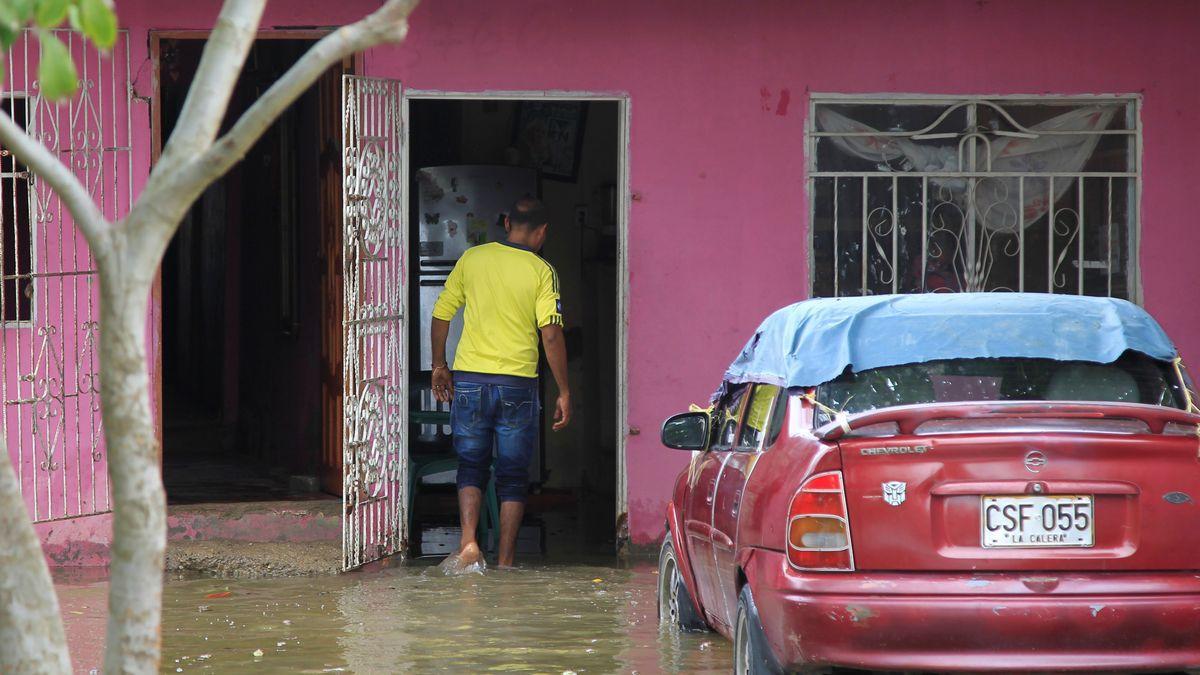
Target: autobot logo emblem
(1034, 461)
(893, 492)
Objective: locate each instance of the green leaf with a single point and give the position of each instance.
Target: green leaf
(56, 71)
(98, 21)
(73, 18)
(8, 34)
(50, 13)
(10, 24)
(23, 9)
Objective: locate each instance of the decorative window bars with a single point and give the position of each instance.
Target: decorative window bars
(924, 194)
(49, 328)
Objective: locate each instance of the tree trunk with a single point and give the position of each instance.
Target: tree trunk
(139, 502)
(31, 632)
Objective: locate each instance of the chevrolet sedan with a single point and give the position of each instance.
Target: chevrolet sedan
(943, 483)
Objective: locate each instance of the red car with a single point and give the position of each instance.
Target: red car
(944, 483)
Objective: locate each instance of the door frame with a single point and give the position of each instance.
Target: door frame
(620, 518)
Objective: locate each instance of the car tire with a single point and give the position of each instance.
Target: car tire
(675, 606)
(751, 653)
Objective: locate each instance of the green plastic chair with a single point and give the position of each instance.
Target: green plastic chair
(428, 465)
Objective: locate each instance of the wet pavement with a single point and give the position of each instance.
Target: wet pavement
(540, 618)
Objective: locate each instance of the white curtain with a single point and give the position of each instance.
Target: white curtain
(998, 208)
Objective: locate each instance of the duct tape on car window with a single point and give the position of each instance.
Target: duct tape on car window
(838, 416)
(1188, 399)
(1187, 391)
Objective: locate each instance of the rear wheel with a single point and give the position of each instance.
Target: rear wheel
(751, 654)
(675, 606)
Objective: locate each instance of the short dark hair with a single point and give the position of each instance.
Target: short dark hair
(528, 212)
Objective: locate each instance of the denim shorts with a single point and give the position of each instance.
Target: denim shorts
(507, 415)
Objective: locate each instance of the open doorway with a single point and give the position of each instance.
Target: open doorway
(469, 160)
(251, 298)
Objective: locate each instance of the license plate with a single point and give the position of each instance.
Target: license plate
(1034, 521)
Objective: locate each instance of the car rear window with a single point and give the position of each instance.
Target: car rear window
(1133, 378)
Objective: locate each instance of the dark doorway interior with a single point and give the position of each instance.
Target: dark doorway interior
(243, 296)
(572, 151)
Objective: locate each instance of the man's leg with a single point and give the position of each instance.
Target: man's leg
(472, 436)
(516, 436)
(469, 499)
(511, 513)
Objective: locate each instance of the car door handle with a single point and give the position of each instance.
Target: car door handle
(712, 491)
(737, 501)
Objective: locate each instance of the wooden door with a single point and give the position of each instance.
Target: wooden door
(329, 92)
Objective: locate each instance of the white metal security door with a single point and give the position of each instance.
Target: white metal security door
(375, 402)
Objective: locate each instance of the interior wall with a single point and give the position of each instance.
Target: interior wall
(196, 328)
(279, 312)
(242, 284)
(584, 254)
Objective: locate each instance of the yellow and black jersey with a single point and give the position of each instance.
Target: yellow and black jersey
(509, 293)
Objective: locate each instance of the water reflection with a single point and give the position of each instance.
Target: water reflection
(541, 619)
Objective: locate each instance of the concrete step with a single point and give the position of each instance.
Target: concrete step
(299, 521)
(250, 560)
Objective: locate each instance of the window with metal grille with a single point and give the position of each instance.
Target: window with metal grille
(16, 242)
(924, 194)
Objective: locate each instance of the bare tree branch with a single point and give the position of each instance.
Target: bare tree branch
(387, 24)
(58, 176)
(139, 520)
(31, 633)
(128, 252)
(212, 86)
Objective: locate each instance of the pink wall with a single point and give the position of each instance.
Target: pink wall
(77, 542)
(719, 94)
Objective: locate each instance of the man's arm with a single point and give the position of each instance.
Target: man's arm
(452, 297)
(556, 355)
(443, 383)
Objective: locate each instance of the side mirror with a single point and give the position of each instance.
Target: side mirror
(686, 431)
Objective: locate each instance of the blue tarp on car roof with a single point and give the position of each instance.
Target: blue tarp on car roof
(812, 342)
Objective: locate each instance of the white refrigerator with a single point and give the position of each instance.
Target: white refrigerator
(458, 207)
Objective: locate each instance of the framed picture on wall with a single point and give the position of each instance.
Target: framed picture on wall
(549, 136)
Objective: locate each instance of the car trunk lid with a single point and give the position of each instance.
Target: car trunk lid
(1006, 487)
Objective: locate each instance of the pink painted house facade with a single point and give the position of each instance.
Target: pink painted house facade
(766, 152)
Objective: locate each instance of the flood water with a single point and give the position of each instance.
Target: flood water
(542, 618)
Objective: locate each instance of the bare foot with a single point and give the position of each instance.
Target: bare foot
(470, 554)
(469, 560)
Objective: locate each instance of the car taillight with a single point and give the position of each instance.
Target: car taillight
(818, 529)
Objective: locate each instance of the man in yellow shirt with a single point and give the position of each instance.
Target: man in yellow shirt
(510, 295)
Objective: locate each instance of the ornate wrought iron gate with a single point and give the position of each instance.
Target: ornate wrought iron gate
(375, 401)
(49, 296)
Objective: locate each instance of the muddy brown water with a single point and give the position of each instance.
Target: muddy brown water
(581, 618)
